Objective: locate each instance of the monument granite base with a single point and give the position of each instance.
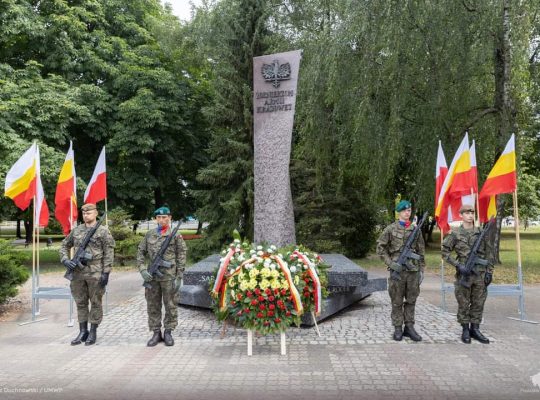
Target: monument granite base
(347, 284)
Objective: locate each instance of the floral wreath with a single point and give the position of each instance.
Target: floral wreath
(260, 290)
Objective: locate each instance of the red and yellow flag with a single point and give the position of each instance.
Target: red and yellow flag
(66, 193)
(20, 183)
(501, 179)
(23, 183)
(456, 183)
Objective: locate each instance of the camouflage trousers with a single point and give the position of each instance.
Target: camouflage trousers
(471, 300)
(87, 291)
(162, 292)
(403, 295)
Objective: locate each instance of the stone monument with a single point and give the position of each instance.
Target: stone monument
(274, 96)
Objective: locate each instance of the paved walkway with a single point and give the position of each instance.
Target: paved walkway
(354, 358)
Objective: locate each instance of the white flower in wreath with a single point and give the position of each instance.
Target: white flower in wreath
(293, 269)
(280, 256)
(272, 267)
(274, 284)
(223, 252)
(267, 262)
(259, 260)
(231, 270)
(249, 266)
(241, 258)
(273, 247)
(269, 250)
(252, 252)
(236, 241)
(259, 247)
(260, 253)
(265, 272)
(253, 272)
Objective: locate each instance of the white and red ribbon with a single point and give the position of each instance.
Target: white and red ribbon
(315, 278)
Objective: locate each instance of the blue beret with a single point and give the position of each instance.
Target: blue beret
(162, 211)
(403, 205)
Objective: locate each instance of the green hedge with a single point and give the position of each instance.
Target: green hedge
(12, 271)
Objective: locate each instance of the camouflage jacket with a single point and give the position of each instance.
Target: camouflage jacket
(391, 242)
(101, 247)
(461, 241)
(175, 253)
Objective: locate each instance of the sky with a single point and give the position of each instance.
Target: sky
(182, 8)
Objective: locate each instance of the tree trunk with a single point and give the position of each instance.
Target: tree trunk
(28, 227)
(199, 227)
(503, 103)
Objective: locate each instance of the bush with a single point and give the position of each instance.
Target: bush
(119, 224)
(12, 272)
(54, 228)
(126, 249)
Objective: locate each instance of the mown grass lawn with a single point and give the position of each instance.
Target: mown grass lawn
(504, 273)
(49, 258)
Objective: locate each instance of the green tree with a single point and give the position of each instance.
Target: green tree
(237, 32)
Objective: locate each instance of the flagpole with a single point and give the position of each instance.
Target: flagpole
(477, 209)
(518, 248)
(443, 284)
(106, 214)
(34, 261)
(37, 254)
(522, 315)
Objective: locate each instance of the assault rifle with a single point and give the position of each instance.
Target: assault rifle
(407, 254)
(467, 269)
(82, 256)
(158, 260)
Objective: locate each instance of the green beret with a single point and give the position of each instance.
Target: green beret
(403, 205)
(162, 211)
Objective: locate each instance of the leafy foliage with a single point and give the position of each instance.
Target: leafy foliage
(12, 271)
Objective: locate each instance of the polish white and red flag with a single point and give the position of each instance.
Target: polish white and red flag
(97, 188)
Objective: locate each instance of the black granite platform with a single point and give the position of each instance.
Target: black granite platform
(347, 284)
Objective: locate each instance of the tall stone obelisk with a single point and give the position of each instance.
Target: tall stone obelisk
(275, 78)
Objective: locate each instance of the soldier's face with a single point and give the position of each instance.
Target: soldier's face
(405, 214)
(89, 216)
(468, 216)
(163, 220)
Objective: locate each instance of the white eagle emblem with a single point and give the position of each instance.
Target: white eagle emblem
(275, 73)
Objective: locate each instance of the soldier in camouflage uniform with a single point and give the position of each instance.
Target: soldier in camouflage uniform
(404, 284)
(470, 300)
(164, 289)
(89, 281)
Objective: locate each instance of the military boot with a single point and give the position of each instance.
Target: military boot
(398, 333)
(167, 338)
(155, 339)
(410, 332)
(92, 335)
(476, 334)
(465, 335)
(83, 334)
